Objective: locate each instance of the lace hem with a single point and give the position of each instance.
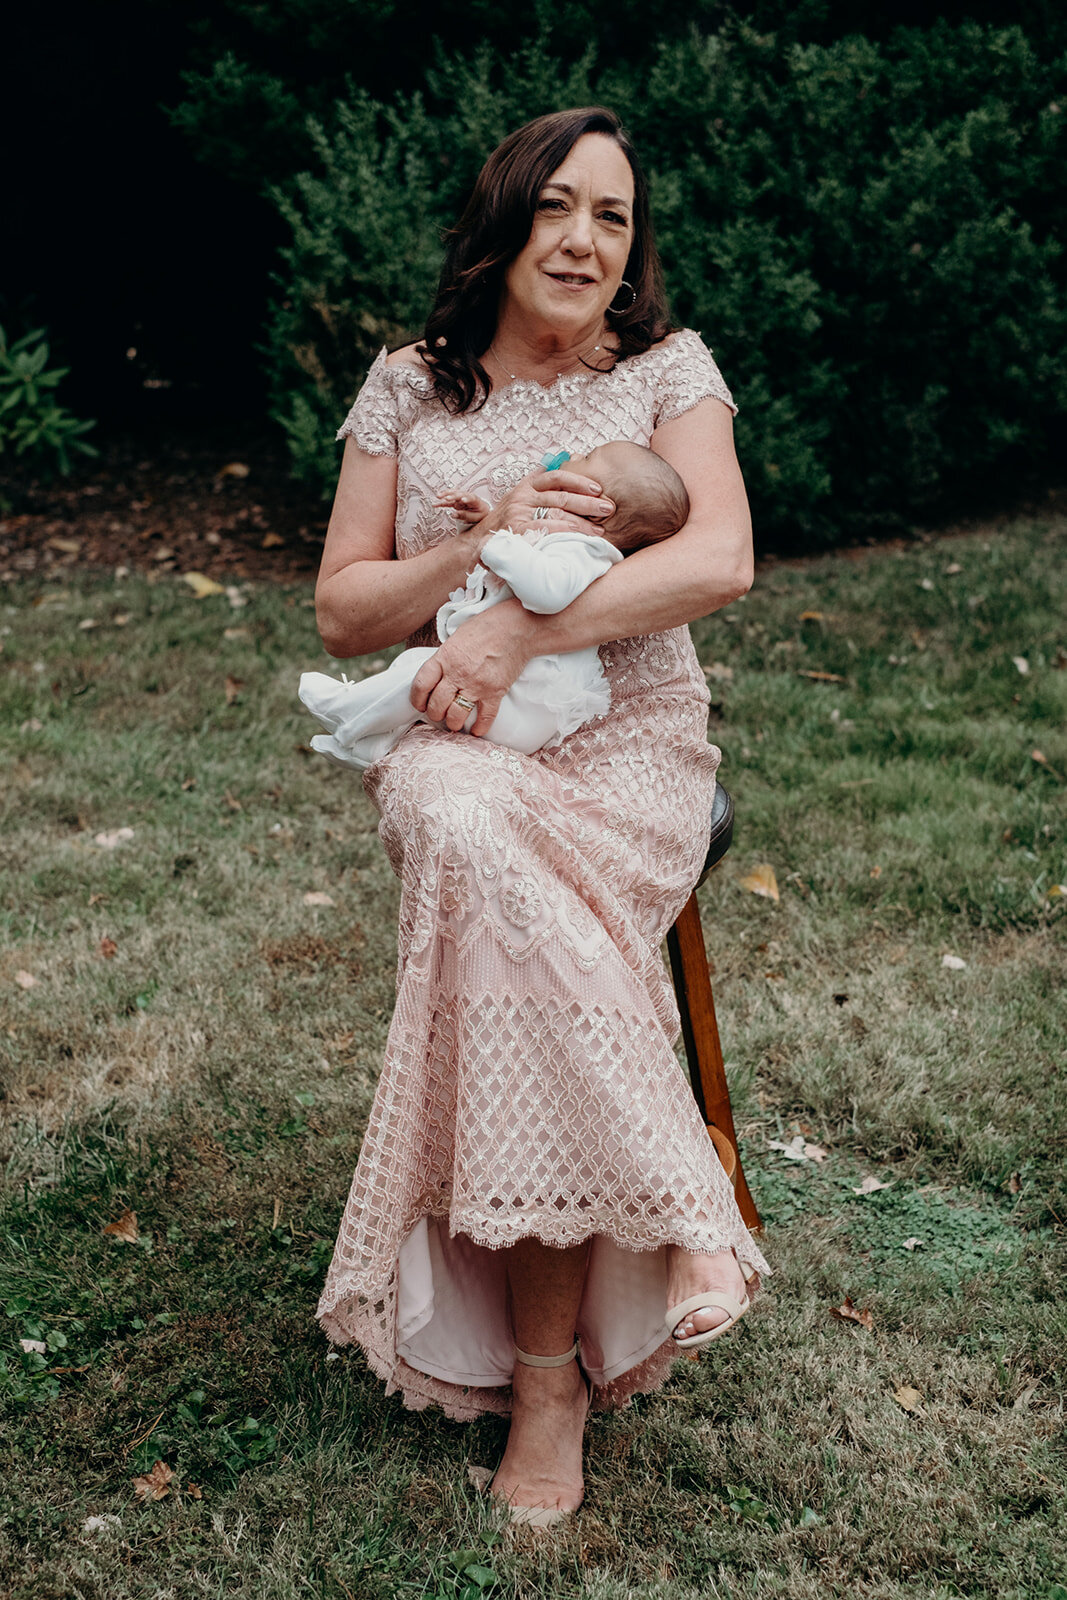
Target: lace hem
(354, 1324)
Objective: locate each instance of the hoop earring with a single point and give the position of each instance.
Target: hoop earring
(620, 310)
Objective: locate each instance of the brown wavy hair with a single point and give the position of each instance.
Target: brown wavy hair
(496, 224)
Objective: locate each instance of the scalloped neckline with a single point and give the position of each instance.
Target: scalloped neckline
(420, 372)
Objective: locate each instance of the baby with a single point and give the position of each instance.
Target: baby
(545, 569)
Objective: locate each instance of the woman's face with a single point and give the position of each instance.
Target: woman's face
(570, 268)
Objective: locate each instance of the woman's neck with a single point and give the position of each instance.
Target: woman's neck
(533, 350)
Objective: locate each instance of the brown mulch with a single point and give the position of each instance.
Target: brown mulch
(179, 506)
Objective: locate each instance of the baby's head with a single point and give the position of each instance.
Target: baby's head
(650, 498)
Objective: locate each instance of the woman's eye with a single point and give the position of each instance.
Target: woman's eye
(548, 205)
(613, 216)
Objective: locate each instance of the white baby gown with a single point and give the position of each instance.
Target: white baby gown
(552, 696)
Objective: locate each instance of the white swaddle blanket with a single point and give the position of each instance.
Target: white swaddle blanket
(552, 696)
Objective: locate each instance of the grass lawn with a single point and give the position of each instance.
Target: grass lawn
(192, 1016)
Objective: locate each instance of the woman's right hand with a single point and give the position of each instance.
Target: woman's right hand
(571, 499)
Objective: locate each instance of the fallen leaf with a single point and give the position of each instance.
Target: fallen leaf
(235, 597)
(956, 963)
(187, 784)
(953, 569)
(847, 1312)
(479, 1476)
(271, 540)
(798, 1150)
(164, 553)
(761, 880)
(120, 619)
(1024, 1397)
(869, 1185)
(194, 1491)
(718, 672)
(155, 1484)
(876, 872)
(1056, 891)
(232, 801)
(911, 1244)
(234, 469)
(235, 633)
(233, 689)
(1014, 1183)
(822, 677)
(34, 1347)
(201, 585)
(316, 897)
(86, 623)
(811, 616)
(99, 1524)
(124, 1228)
(111, 841)
(31, 725)
(95, 899)
(926, 583)
(108, 948)
(26, 980)
(69, 547)
(1021, 665)
(909, 1398)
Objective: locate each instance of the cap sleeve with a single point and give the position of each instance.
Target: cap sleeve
(374, 420)
(688, 375)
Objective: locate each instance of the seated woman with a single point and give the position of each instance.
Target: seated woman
(535, 1165)
(546, 569)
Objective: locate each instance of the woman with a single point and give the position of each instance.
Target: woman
(535, 1164)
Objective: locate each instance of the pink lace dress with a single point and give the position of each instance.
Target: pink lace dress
(530, 1084)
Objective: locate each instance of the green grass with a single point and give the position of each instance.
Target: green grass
(214, 1074)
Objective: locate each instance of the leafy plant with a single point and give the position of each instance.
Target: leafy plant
(33, 424)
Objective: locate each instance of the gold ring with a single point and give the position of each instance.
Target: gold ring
(461, 700)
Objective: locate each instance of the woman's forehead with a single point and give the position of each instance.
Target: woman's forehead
(595, 162)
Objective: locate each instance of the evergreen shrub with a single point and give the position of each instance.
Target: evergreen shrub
(867, 233)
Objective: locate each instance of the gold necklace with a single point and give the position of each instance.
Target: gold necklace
(559, 374)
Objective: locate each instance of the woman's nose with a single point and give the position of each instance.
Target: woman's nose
(579, 236)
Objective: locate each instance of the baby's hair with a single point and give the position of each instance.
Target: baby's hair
(650, 498)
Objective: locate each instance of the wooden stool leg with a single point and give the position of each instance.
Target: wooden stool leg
(700, 1031)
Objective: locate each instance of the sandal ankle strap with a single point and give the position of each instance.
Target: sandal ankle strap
(546, 1361)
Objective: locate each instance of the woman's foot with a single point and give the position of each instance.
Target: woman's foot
(542, 1464)
(689, 1273)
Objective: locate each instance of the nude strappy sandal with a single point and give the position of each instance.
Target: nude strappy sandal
(540, 1516)
(709, 1300)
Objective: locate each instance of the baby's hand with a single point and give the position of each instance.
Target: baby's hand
(470, 508)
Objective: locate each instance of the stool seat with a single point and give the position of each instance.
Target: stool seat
(722, 830)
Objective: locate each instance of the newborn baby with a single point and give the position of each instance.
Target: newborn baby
(545, 569)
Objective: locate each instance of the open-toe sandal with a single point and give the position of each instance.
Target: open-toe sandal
(709, 1300)
(542, 1516)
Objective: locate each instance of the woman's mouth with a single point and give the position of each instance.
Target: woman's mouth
(572, 280)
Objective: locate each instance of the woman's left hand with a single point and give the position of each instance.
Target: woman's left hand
(480, 661)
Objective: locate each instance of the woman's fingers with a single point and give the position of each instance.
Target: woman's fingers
(582, 505)
(424, 683)
(575, 481)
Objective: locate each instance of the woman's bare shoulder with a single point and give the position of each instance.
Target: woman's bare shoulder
(407, 356)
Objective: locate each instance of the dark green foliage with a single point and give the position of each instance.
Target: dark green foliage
(865, 232)
(33, 425)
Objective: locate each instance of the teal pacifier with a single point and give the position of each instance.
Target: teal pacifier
(555, 459)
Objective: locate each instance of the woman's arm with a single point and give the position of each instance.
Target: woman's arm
(364, 598)
(699, 569)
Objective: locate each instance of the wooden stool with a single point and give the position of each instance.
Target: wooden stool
(696, 1007)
